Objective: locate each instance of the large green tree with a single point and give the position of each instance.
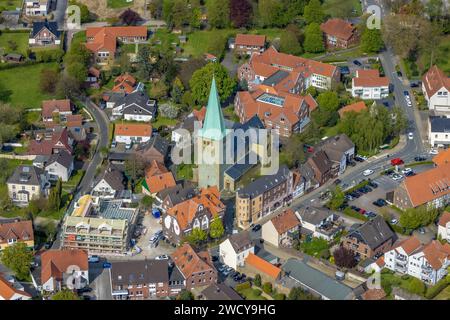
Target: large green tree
(313, 38)
(17, 257)
(337, 199)
(197, 236)
(289, 43)
(200, 82)
(218, 13)
(371, 41)
(271, 13)
(313, 12)
(65, 294)
(216, 229)
(414, 218)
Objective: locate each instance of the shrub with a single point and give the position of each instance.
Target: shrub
(257, 292)
(243, 286)
(267, 287)
(416, 286)
(280, 296)
(257, 280)
(437, 288)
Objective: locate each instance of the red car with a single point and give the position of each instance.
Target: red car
(362, 211)
(397, 162)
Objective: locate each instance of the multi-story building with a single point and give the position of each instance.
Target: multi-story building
(102, 41)
(16, 232)
(374, 237)
(431, 188)
(444, 226)
(436, 89)
(313, 73)
(234, 250)
(427, 263)
(196, 267)
(439, 131)
(369, 85)
(262, 196)
(145, 279)
(102, 228)
(338, 33)
(27, 183)
(247, 44)
(37, 7)
(282, 230)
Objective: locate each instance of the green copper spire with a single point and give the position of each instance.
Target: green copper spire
(214, 124)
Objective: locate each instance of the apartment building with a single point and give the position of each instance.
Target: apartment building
(262, 196)
(234, 250)
(369, 85)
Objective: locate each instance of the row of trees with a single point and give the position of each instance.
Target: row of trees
(198, 236)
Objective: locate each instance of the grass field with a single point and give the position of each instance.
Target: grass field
(119, 3)
(444, 295)
(338, 7)
(198, 42)
(20, 38)
(251, 294)
(10, 4)
(24, 84)
(79, 37)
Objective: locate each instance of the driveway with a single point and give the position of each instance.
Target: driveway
(228, 63)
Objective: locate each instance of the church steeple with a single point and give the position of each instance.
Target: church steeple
(214, 124)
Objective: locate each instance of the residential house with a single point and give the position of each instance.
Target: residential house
(321, 166)
(315, 281)
(436, 90)
(431, 188)
(369, 85)
(132, 133)
(312, 73)
(136, 106)
(303, 180)
(439, 131)
(282, 230)
(16, 232)
(157, 178)
(145, 279)
(102, 41)
(170, 197)
(196, 267)
(45, 33)
(285, 112)
(373, 237)
(234, 250)
(12, 290)
(112, 220)
(444, 226)
(247, 44)
(339, 34)
(427, 263)
(262, 196)
(56, 110)
(125, 83)
(319, 223)
(196, 212)
(57, 266)
(354, 107)
(257, 265)
(220, 291)
(37, 7)
(93, 78)
(27, 183)
(50, 142)
(109, 183)
(157, 148)
(74, 124)
(59, 166)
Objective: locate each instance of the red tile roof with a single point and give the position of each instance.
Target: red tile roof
(7, 290)
(369, 78)
(436, 253)
(190, 262)
(124, 83)
(56, 262)
(443, 157)
(74, 120)
(285, 221)
(250, 40)
(339, 28)
(20, 231)
(133, 130)
(263, 266)
(105, 38)
(434, 80)
(444, 219)
(51, 106)
(409, 245)
(58, 140)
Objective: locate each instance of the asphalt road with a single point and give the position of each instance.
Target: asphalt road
(60, 13)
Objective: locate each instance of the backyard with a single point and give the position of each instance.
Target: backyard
(119, 3)
(23, 81)
(16, 42)
(10, 4)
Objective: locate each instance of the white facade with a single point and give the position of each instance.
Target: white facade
(441, 137)
(439, 102)
(444, 231)
(36, 7)
(56, 170)
(131, 139)
(53, 285)
(103, 188)
(368, 92)
(138, 117)
(270, 234)
(232, 258)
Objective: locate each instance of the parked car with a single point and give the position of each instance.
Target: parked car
(349, 197)
(358, 63)
(355, 208)
(371, 214)
(93, 259)
(362, 211)
(394, 221)
(352, 163)
(397, 162)
(162, 257)
(399, 74)
(379, 203)
(84, 290)
(396, 177)
(420, 158)
(128, 146)
(367, 172)
(421, 230)
(114, 144)
(256, 227)
(406, 170)
(410, 174)
(337, 181)
(373, 184)
(434, 151)
(107, 265)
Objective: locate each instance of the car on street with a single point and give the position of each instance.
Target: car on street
(107, 265)
(357, 62)
(406, 170)
(364, 158)
(410, 136)
(410, 174)
(394, 221)
(397, 162)
(367, 172)
(256, 227)
(114, 144)
(337, 181)
(379, 202)
(370, 214)
(162, 257)
(434, 151)
(396, 177)
(420, 158)
(93, 259)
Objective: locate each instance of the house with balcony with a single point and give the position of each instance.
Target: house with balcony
(369, 85)
(27, 183)
(45, 33)
(247, 44)
(283, 230)
(319, 223)
(444, 226)
(234, 250)
(37, 7)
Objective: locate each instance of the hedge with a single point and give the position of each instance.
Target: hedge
(7, 66)
(352, 213)
(243, 286)
(437, 288)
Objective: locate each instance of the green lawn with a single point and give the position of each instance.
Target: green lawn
(165, 36)
(198, 42)
(10, 4)
(184, 171)
(315, 247)
(335, 7)
(23, 81)
(161, 121)
(440, 57)
(390, 280)
(19, 38)
(74, 180)
(444, 295)
(79, 37)
(251, 294)
(119, 3)
(270, 33)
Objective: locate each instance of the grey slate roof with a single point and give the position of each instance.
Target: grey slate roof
(114, 177)
(156, 142)
(317, 281)
(314, 215)
(139, 272)
(373, 232)
(137, 103)
(179, 193)
(52, 26)
(63, 158)
(275, 78)
(237, 170)
(27, 175)
(265, 183)
(219, 291)
(440, 124)
(336, 146)
(240, 241)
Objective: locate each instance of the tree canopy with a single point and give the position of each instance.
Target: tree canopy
(216, 229)
(65, 294)
(17, 257)
(344, 258)
(313, 12)
(313, 38)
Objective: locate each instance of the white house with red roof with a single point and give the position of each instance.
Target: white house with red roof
(369, 85)
(436, 89)
(444, 226)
